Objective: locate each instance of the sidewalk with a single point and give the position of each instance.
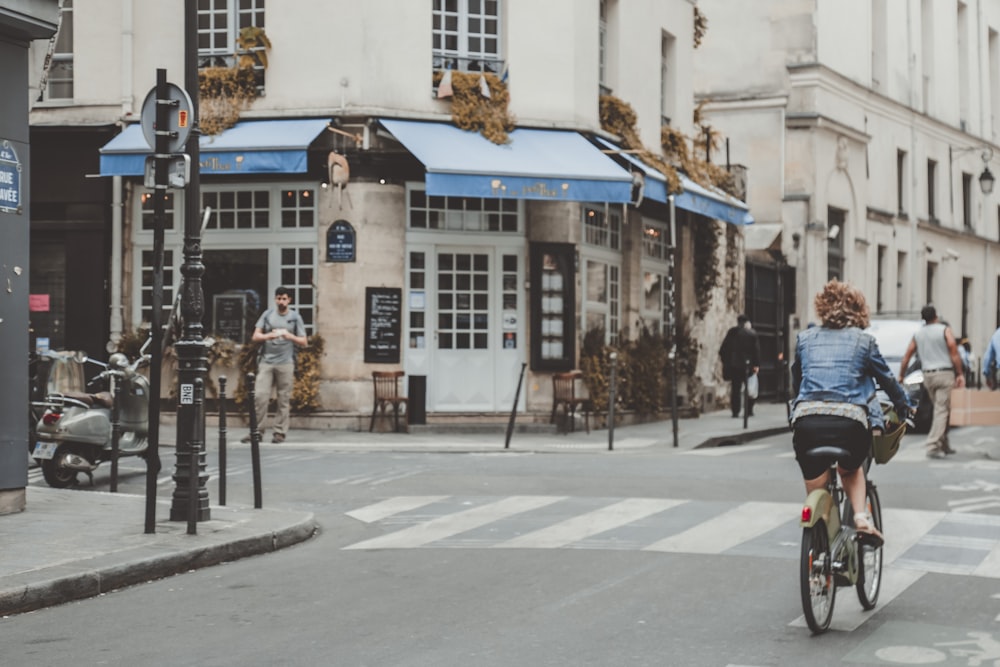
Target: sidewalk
(69, 545)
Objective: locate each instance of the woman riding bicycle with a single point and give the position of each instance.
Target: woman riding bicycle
(834, 374)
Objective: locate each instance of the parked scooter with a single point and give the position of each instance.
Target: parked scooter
(74, 433)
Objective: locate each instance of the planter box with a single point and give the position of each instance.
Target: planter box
(972, 407)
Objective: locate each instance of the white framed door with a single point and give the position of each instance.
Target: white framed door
(466, 324)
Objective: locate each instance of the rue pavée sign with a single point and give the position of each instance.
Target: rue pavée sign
(10, 179)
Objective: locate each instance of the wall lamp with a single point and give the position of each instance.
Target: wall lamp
(986, 179)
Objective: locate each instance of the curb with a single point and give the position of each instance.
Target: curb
(87, 583)
(740, 438)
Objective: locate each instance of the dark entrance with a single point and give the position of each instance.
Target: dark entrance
(770, 296)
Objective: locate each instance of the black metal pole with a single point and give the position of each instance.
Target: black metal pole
(196, 446)
(222, 440)
(746, 393)
(162, 146)
(116, 429)
(254, 440)
(513, 409)
(611, 401)
(672, 302)
(192, 352)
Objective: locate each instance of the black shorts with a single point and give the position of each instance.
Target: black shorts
(818, 430)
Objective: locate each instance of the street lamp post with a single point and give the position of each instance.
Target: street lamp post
(192, 350)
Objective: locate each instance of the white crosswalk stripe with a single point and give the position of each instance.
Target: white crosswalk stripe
(591, 523)
(729, 529)
(452, 524)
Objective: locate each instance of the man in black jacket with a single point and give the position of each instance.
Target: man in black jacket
(740, 354)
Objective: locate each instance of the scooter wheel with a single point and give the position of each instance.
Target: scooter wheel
(55, 475)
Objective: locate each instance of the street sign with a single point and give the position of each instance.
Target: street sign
(178, 114)
(10, 179)
(178, 171)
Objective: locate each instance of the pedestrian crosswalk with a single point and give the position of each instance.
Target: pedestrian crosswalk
(917, 540)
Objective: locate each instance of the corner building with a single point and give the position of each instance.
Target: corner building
(410, 244)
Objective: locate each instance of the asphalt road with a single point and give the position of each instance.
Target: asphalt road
(646, 557)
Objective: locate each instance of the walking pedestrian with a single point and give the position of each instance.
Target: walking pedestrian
(279, 330)
(740, 354)
(991, 359)
(935, 346)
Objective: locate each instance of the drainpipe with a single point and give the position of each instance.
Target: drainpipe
(126, 58)
(116, 262)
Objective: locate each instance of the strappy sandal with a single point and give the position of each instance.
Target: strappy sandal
(867, 532)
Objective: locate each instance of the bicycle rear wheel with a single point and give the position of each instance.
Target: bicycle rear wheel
(816, 578)
(869, 557)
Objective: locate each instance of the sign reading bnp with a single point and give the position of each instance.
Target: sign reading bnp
(10, 179)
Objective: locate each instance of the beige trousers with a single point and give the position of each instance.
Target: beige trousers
(281, 378)
(939, 385)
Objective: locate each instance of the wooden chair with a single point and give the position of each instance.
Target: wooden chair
(565, 393)
(386, 385)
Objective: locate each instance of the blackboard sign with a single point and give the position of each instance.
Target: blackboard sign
(229, 316)
(341, 242)
(383, 316)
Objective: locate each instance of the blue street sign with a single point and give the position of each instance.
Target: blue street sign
(10, 179)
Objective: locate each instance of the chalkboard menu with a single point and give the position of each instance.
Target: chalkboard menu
(229, 316)
(383, 316)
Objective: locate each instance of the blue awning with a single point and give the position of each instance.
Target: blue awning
(710, 203)
(249, 147)
(534, 164)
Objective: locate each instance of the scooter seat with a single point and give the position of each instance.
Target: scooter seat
(101, 399)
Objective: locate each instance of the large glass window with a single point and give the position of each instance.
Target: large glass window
(219, 25)
(466, 214)
(602, 226)
(257, 237)
(466, 35)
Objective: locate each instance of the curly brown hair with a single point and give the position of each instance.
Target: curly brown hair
(841, 305)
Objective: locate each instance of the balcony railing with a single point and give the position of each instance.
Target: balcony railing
(465, 64)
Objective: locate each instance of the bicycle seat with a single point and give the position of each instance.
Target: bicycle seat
(828, 452)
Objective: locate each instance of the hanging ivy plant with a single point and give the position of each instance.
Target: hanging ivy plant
(472, 110)
(225, 92)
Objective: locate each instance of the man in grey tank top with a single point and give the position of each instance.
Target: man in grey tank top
(935, 346)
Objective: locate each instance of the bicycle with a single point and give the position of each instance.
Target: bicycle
(833, 553)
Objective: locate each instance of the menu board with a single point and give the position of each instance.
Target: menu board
(383, 317)
(229, 316)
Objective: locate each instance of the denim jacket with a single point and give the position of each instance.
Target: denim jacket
(843, 366)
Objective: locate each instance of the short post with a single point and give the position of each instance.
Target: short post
(611, 401)
(222, 440)
(197, 444)
(116, 429)
(254, 441)
(513, 409)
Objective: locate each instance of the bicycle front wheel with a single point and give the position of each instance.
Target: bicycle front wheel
(869, 557)
(816, 578)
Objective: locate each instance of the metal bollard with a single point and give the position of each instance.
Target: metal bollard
(222, 440)
(611, 401)
(197, 443)
(513, 409)
(116, 431)
(254, 442)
